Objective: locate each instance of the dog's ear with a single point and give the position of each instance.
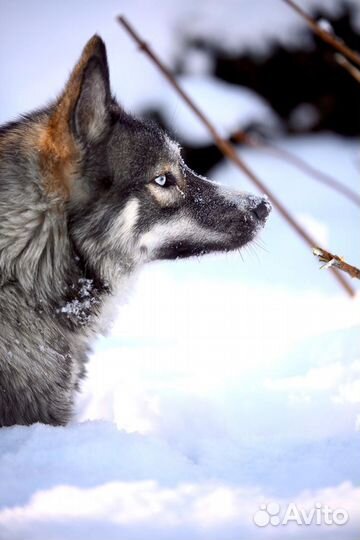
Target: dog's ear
(83, 107)
(91, 114)
(81, 114)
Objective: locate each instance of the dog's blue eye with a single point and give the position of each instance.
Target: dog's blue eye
(161, 180)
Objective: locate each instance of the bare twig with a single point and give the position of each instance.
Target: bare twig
(228, 149)
(329, 38)
(331, 260)
(300, 164)
(350, 68)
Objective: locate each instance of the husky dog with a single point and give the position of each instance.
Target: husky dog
(87, 195)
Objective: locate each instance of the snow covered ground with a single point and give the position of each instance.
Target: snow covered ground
(226, 383)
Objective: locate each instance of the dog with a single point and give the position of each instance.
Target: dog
(88, 194)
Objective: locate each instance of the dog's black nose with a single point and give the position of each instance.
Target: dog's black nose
(262, 210)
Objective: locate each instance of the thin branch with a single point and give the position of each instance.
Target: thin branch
(228, 149)
(329, 38)
(332, 261)
(350, 68)
(300, 164)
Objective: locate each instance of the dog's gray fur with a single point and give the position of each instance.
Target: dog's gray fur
(80, 209)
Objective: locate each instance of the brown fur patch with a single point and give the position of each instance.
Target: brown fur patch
(171, 196)
(58, 158)
(58, 150)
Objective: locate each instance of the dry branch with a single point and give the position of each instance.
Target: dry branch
(350, 68)
(326, 36)
(331, 261)
(228, 149)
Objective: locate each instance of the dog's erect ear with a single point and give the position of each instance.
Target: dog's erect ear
(92, 111)
(81, 114)
(83, 107)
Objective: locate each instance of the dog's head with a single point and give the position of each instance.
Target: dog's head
(130, 196)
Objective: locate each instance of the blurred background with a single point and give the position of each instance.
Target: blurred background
(233, 380)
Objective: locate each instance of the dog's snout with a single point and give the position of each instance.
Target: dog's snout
(262, 210)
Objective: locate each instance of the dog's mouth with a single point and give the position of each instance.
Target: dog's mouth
(233, 233)
(185, 249)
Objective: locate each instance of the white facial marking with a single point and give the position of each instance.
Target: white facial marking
(178, 230)
(123, 227)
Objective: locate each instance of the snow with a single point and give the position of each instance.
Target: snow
(304, 117)
(224, 384)
(243, 24)
(253, 24)
(325, 25)
(79, 309)
(228, 107)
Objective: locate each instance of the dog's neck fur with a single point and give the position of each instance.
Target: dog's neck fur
(38, 253)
